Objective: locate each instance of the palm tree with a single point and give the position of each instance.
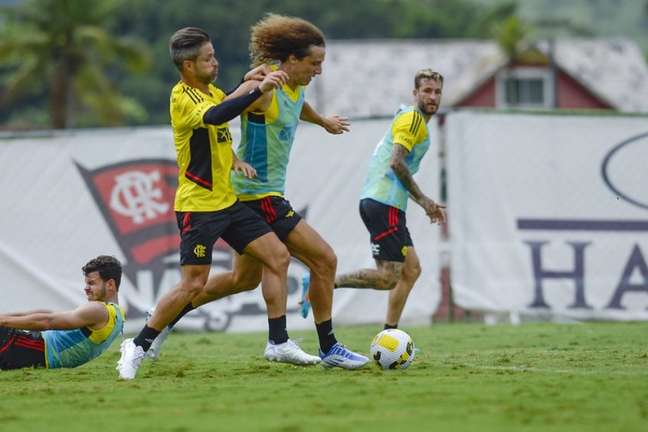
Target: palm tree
(64, 44)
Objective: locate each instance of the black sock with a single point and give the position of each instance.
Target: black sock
(326, 335)
(277, 330)
(389, 326)
(182, 313)
(146, 337)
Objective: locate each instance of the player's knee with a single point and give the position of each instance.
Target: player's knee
(412, 270)
(193, 286)
(325, 265)
(279, 259)
(330, 261)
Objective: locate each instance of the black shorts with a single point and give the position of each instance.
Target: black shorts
(277, 212)
(237, 225)
(390, 237)
(21, 349)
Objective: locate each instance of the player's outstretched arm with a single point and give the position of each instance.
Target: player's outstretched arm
(397, 163)
(17, 314)
(243, 98)
(92, 314)
(334, 124)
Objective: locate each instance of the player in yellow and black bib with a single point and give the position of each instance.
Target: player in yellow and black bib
(205, 203)
(268, 127)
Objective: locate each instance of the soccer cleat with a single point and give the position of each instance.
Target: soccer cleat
(289, 352)
(340, 356)
(154, 351)
(305, 303)
(131, 359)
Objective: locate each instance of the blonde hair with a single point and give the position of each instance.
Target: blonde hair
(427, 74)
(275, 37)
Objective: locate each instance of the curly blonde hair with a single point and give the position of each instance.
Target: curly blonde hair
(275, 37)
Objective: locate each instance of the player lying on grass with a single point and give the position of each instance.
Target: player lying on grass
(44, 339)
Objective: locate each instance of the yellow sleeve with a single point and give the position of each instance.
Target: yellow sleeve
(188, 108)
(217, 93)
(408, 129)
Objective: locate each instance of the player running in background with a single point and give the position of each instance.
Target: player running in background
(384, 200)
(66, 339)
(297, 48)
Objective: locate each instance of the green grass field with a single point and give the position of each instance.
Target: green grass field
(467, 377)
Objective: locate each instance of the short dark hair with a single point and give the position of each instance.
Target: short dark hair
(185, 44)
(107, 266)
(427, 74)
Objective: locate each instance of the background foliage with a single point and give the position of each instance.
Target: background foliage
(125, 89)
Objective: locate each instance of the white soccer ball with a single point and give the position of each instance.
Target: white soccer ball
(392, 349)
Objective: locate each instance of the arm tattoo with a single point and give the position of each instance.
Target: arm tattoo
(403, 173)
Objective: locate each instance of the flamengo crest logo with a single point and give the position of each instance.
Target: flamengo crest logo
(137, 195)
(136, 198)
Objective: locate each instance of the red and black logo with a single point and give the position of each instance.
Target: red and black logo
(136, 198)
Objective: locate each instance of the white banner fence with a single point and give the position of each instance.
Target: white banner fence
(70, 196)
(549, 214)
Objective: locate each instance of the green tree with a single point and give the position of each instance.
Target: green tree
(228, 22)
(60, 50)
(438, 19)
(510, 35)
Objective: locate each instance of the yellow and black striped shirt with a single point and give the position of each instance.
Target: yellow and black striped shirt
(204, 152)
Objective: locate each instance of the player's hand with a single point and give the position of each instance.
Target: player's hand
(336, 125)
(244, 168)
(273, 80)
(258, 73)
(435, 211)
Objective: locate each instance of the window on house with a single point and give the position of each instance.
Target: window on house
(524, 91)
(525, 88)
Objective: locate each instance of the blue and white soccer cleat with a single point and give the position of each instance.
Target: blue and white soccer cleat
(340, 356)
(305, 303)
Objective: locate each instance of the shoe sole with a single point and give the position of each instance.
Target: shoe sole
(278, 360)
(341, 365)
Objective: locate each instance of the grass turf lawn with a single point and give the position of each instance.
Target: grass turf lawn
(466, 377)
